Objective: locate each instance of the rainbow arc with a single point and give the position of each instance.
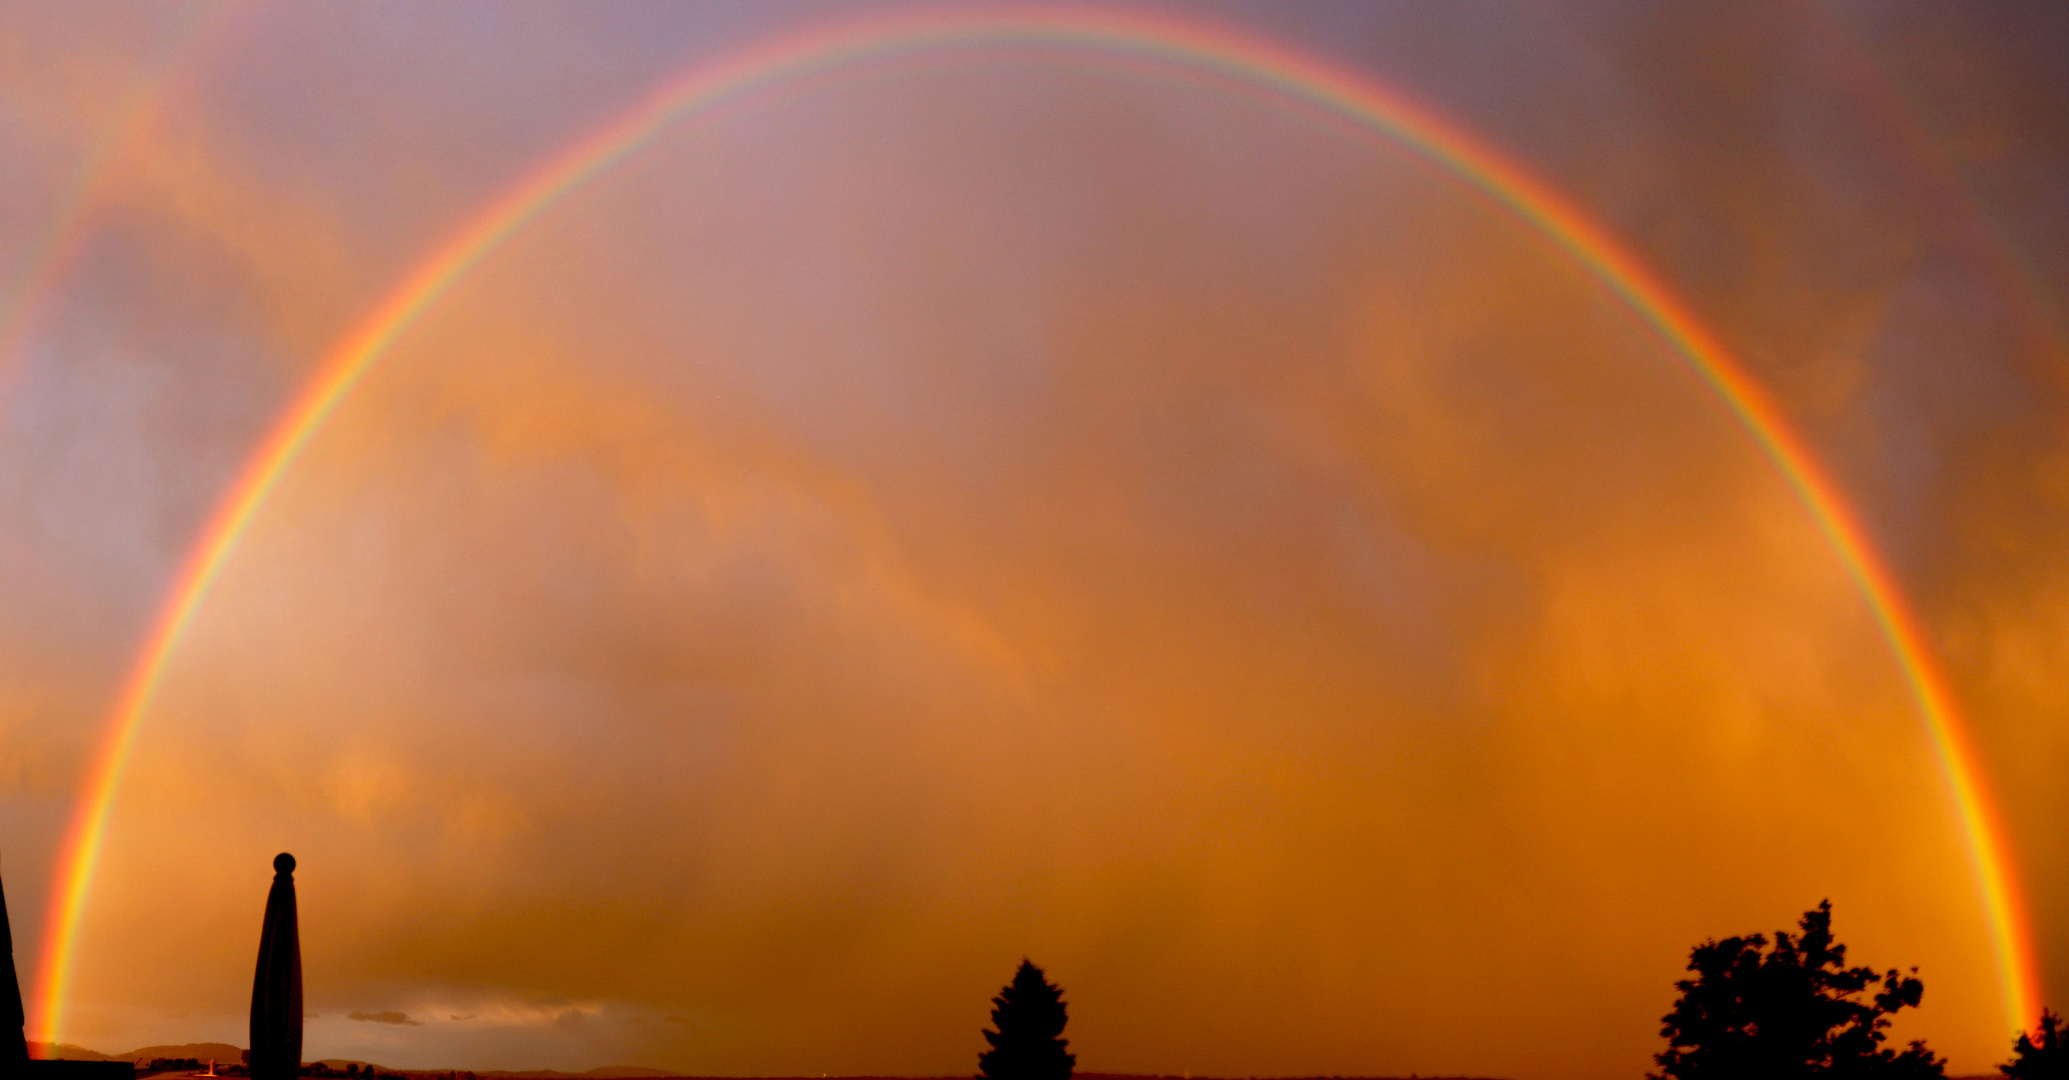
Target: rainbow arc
(1163, 43)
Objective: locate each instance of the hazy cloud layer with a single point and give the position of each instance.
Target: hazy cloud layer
(1018, 507)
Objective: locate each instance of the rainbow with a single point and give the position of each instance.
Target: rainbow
(1162, 43)
(56, 252)
(2014, 276)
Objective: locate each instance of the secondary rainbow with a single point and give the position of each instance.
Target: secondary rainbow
(1901, 116)
(1168, 45)
(56, 253)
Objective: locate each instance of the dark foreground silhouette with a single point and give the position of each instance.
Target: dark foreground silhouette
(1790, 1009)
(1793, 1010)
(1029, 1016)
(2043, 1055)
(15, 1063)
(276, 987)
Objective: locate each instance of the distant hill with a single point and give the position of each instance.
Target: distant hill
(221, 1053)
(1081, 1074)
(607, 1072)
(226, 1053)
(43, 1051)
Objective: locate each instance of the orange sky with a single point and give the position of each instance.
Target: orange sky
(986, 507)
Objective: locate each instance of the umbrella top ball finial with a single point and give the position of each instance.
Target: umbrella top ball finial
(284, 863)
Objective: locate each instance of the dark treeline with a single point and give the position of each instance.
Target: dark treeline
(1791, 1008)
(1755, 1008)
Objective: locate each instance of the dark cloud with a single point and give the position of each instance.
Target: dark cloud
(385, 1017)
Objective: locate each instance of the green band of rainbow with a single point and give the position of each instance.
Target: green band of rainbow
(1170, 44)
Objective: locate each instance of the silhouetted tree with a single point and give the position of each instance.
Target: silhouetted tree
(1029, 1015)
(1790, 1011)
(2047, 1059)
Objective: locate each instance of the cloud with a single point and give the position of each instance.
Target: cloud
(1036, 511)
(385, 1017)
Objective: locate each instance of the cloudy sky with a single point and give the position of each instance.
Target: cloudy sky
(1011, 502)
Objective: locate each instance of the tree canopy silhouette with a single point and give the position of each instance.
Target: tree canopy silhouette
(1029, 1017)
(2047, 1059)
(1791, 1010)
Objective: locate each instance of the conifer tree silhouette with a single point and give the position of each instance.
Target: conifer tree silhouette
(2045, 1059)
(1029, 1015)
(1791, 1012)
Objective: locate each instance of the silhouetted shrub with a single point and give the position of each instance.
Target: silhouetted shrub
(2046, 1059)
(1029, 1015)
(1789, 1011)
